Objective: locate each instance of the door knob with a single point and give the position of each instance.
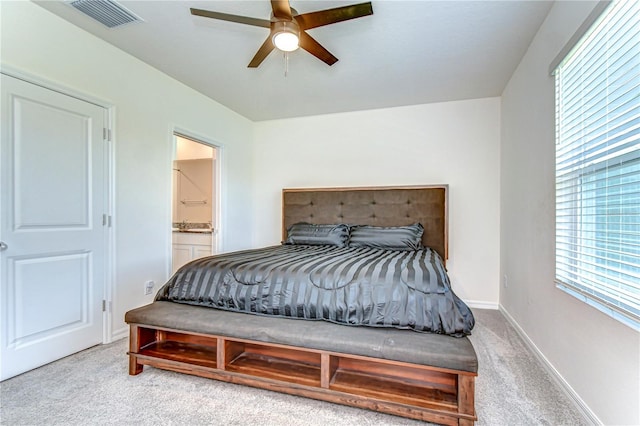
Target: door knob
(3, 246)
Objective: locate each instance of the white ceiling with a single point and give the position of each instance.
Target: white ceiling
(406, 53)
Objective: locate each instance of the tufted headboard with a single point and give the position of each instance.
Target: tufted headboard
(379, 206)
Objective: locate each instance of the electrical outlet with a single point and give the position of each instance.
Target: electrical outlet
(148, 287)
(505, 281)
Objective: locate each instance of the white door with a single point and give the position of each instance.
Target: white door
(52, 263)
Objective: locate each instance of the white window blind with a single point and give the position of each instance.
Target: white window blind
(598, 165)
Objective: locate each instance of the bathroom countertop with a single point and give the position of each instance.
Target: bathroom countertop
(192, 231)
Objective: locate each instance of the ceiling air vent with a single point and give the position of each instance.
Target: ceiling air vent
(107, 12)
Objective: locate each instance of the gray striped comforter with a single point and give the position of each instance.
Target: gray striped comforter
(349, 285)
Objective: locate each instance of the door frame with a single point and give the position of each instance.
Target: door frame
(108, 291)
(216, 236)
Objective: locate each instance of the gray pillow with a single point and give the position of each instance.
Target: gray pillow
(407, 237)
(311, 234)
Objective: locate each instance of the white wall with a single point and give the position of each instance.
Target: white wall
(597, 356)
(456, 143)
(148, 104)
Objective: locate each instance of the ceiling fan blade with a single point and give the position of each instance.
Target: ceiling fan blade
(320, 18)
(262, 53)
(309, 44)
(281, 9)
(232, 18)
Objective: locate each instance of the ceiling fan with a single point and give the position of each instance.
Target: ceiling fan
(288, 28)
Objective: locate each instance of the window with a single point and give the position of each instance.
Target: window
(598, 165)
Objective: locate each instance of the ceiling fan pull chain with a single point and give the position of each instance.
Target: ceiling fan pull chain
(286, 63)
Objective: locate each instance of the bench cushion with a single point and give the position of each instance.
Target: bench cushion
(436, 350)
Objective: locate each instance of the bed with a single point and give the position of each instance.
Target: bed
(355, 307)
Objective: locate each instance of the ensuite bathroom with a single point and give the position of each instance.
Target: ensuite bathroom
(193, 204)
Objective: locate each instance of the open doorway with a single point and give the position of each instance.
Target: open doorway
(194, 201)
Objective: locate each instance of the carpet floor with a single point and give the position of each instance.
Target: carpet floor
(93, 388)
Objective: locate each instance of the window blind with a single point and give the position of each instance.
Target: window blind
(598, 165)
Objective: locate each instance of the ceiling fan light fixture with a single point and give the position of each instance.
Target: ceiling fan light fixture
(286, 36)
(288, 28)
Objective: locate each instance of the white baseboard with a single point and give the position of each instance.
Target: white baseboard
(580, 405)
(479, 304)
(120, 334)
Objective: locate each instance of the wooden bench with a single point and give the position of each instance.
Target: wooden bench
(423, 376)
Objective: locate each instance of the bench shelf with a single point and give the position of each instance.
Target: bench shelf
(404, 389)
